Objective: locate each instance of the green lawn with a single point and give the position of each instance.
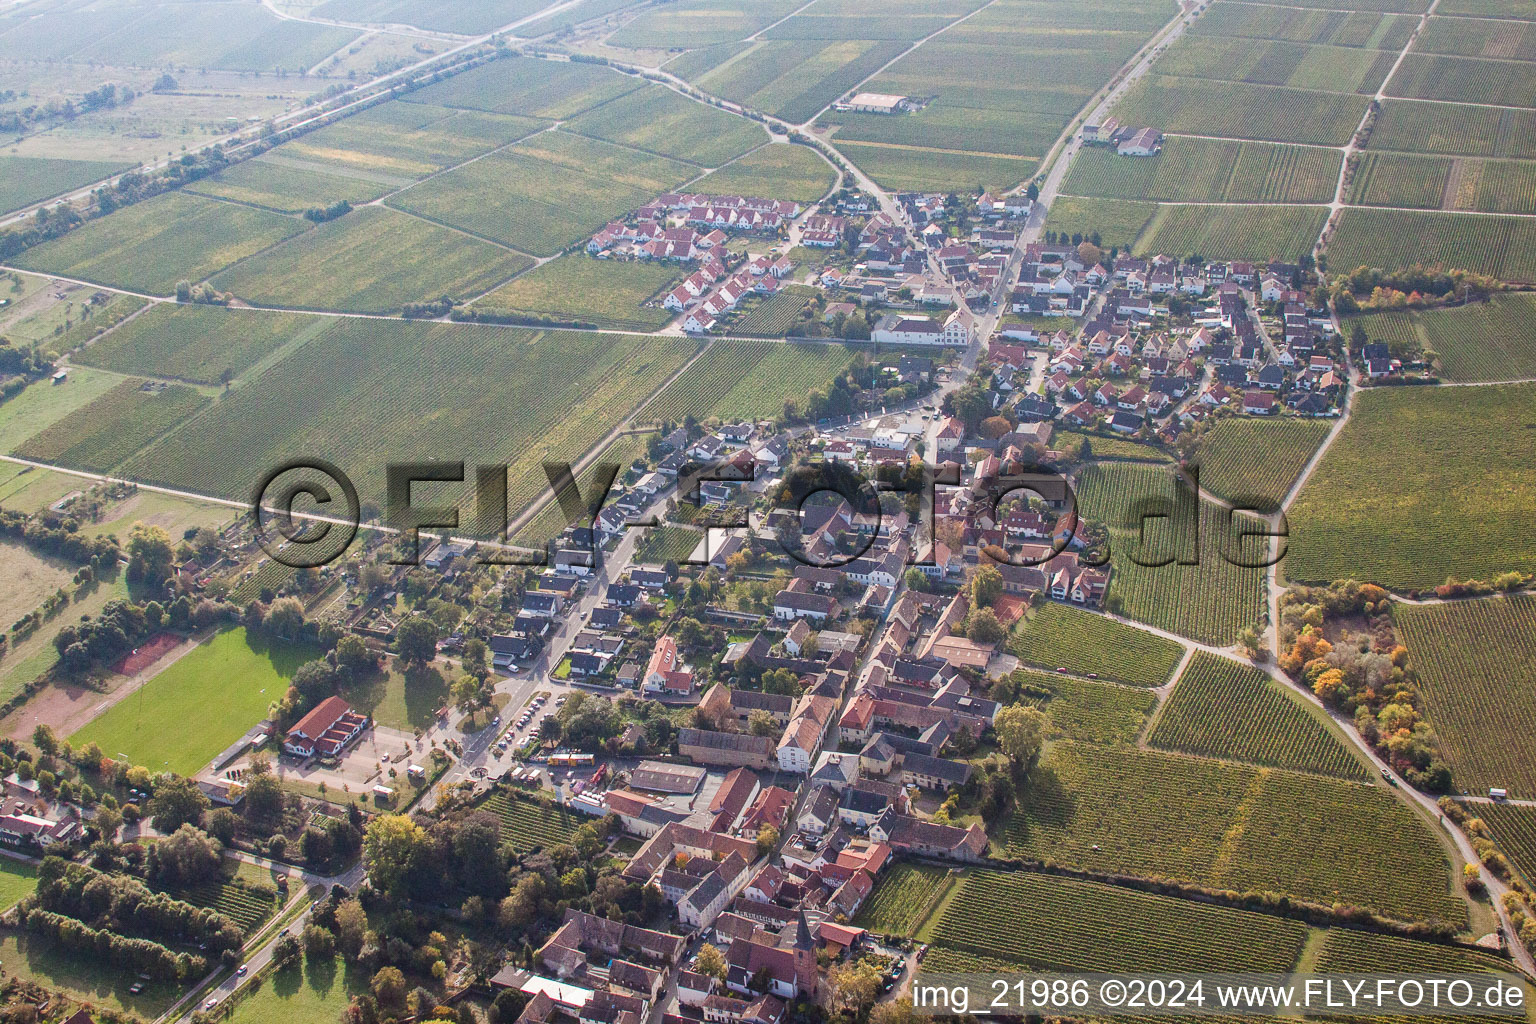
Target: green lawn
(301, 992)
(199, 705)
(399, 699)
(81, 977)
(17, 879)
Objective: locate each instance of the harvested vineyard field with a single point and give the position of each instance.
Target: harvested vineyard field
(403, 390)
(1103, 713)
(1115, 222)
(795, 79)
(1241, 111)
(1482, 342)
(530, 824)
(1046, 922)
(902, 898)
(1254, 460)
(1255, 232)
(149, 246)
(1393, 179)
(1196, 170)
(1057, 635)
(1504, 247)
(26, 179)
(544, 193)
(1199, 594)
(776, 172)
(658, 120)
(403, 141)
(285, 188)
(1478, 678)
(1497, 186)
(1413, 126)
(909, 167)
(197, 343)
(1514, 829)
(1462, 505)
(530, 87)
(101, 435)
(620, 294)
(737, 380)
(373, 260)
(1221, 708)
(1139, 812)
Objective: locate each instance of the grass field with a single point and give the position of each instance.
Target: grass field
(196, 343)
(1199, 593)
(81, 976)
(217, 691)
(373, 260)
(1057, 635)
(1224, 709)
(658, 120)
(775, 172)
(399, 142)
(286, 189)
(18, 878)
(1046, 922)
(1482, 342)
(1479, 681)
(1412, 126)
(1148, 813)
(1083, 710)
(528, 824)
(1255, 232)
(1257, 461)
(25, 179)
(1242, 111)
(1117, 222)
(904, 167)
(403, 390)
(150, 246)
(901, 898)
(101, 435)
(795, 79)
(1460, 505)
(404, 699)
(606, 293)
(305, 990)
(737, 380)
(530, 87)
(1205, 170)
(1395, 179)
(31, 577)
(546, 192)
(1514, 829)
(43, 404)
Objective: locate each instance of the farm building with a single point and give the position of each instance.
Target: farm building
(878, 103)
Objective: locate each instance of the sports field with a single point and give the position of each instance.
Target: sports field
(400, 390)
(601, 292)
(150, 246)
(1422, 483)
(197, 343)
(546, 192)
(1481, 342)
(776, 172)
(1477, 675)
(213, 695)
(373, 260)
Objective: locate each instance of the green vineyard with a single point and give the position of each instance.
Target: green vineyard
(1059, 636)
(901, 899)
(1514, 829)
(1256, 232)
(774, 316)
(1504, 247)
(1043, 922)
(1081, 710)
(736, 380)
(1482, 342)
(529, 825)
(247, 907)
(1392, 179)
(1223, 709)
(1256, 461)
(1479, 680)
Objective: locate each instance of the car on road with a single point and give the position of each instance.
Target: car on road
(210, 1004)
(242, 970)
